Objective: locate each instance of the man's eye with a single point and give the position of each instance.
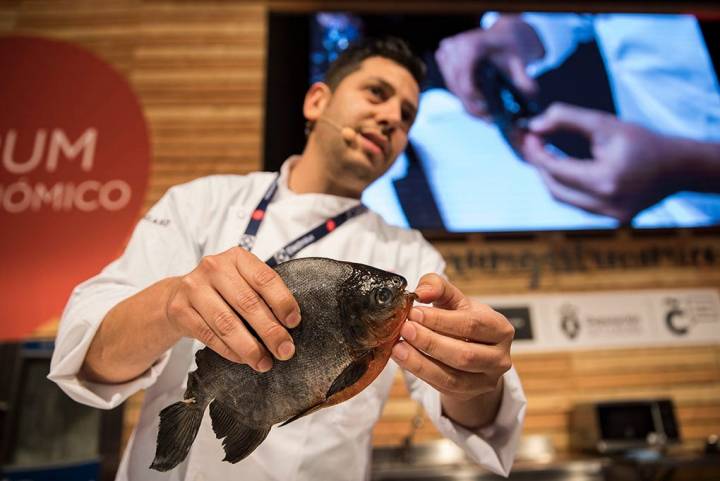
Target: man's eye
(376, 91)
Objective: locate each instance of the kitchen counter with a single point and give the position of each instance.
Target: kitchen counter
(443, 461)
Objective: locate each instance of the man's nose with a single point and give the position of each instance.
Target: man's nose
(387, 129)
(389, 118)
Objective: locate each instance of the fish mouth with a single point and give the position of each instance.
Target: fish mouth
(409, 298)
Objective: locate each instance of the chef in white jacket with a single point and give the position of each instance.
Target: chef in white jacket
(202, 254)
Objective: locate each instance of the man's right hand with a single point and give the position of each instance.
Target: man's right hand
(510, 43)
(207, 303)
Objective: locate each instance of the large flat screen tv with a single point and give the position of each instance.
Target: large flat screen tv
(460, 173)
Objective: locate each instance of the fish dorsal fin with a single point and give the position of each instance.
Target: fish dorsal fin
(238, 440)
(349, 376)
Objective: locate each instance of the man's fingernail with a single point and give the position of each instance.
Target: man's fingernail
(422, 290)
(408, 331)
(286, 350)
(415, 314)
(265, 364)
(400, 351)
(293, 319)
(535, 123)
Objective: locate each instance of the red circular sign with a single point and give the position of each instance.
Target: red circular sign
(74, 161)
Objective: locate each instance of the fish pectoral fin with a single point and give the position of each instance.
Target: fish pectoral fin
(350, 375)
(309, 410)
(238, 440)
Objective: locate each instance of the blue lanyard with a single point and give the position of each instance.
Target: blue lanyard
(247, 241)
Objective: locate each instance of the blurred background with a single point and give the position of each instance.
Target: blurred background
(105, 105)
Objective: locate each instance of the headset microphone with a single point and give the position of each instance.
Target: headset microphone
(348, 134)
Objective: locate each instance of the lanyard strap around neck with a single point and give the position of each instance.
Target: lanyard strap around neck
(247, 241)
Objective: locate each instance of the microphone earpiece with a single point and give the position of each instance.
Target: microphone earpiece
(348, 134)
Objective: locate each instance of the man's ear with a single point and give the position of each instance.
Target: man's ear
(316, 99)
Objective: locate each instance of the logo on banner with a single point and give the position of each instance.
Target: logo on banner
(74, 163)
(684, 314)
(599, 326)
(569, 321)
(676, 319)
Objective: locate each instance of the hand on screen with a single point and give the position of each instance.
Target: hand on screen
(510, 43)
(630, 169)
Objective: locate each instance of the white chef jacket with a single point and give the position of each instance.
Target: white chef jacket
(208, 216)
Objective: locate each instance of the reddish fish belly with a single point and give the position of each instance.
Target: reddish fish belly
(381, 355)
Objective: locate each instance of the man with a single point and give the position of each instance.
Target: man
(182, 280)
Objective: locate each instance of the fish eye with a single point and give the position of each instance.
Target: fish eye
(383, 295)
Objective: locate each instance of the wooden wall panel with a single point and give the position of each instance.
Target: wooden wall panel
(554, 263)
(198, 69)
(554, 381)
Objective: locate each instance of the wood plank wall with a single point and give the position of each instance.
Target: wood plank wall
(198, 69)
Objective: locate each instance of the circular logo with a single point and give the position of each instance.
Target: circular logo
(676, 319)
(569, 321)
(74, 162)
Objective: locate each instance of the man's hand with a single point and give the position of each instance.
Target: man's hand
(510, 43)
(630, 168)
(207, 303)
(458, 346)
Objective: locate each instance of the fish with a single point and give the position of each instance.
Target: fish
(351, 318)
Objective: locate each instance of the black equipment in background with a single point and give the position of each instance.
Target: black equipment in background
(45, 435)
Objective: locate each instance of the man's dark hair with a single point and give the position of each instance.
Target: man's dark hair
(392, 48)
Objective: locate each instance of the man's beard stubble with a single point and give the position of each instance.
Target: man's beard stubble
(343, 166)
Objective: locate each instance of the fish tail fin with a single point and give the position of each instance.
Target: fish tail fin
(179, 425)
(238, 440)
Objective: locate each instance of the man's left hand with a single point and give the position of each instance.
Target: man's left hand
(459, 346)
(631, 168)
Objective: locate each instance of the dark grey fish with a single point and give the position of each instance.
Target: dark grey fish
(351, 318)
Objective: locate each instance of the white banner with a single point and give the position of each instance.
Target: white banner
(607, 319)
